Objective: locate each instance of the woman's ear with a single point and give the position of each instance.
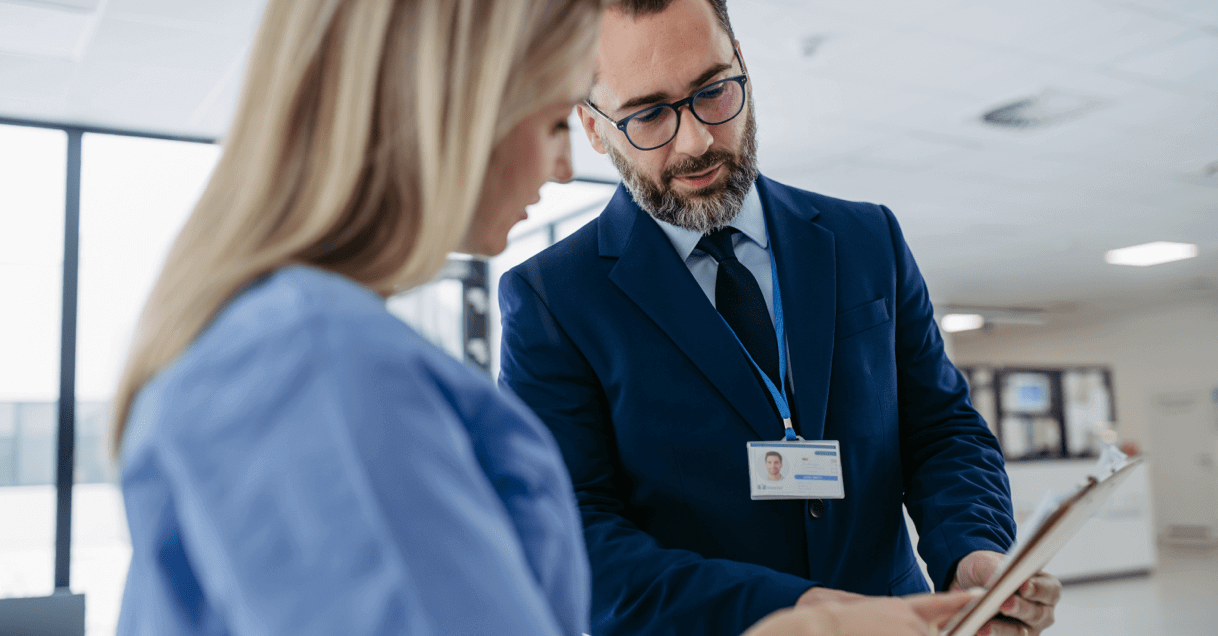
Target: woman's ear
(563, 171)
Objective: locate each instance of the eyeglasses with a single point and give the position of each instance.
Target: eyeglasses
(654, 126)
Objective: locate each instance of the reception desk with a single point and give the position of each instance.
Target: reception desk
(1118, 540)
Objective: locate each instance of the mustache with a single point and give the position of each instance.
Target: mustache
(698, 165)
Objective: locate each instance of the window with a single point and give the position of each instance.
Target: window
(436, 310)
(32, 175)
(135, 195)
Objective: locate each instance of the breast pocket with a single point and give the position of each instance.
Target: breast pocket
(860, 319)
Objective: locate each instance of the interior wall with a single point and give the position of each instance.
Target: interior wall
(1165, 349)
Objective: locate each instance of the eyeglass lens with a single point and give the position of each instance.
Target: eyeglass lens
(713, 105)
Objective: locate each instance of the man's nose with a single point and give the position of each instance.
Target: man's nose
(693, 137)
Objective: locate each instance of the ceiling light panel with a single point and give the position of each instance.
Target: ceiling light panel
(1103, 33)
(42, 31)
(71, 5)
(1154, 253)
(120, 41)
(1005, 24)
(953, 323)
(1185, 60)
(935, 64)
(900, 14)
(995, 315)
(34, 87)
(236, 17)
(913, 153)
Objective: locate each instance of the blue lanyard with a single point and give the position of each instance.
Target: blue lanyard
(780, 398)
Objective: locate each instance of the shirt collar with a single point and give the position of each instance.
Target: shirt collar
(750, 222)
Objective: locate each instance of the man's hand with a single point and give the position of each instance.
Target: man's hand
(1027, 613)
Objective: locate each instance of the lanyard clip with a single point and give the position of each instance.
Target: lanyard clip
(788, 429)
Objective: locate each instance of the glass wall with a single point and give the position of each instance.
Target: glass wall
(435, 310)
(135, 194)
(563, 209)
(32, 176)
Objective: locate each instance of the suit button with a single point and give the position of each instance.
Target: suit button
(816, 508)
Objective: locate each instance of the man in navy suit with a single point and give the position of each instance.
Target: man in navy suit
(817, 318)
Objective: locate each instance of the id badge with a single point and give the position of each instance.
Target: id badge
(795, 470)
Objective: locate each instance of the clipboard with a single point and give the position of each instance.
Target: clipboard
(1059, 524)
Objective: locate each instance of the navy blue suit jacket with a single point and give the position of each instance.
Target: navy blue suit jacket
(607, 336)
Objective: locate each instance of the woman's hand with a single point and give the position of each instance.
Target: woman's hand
(864, 616)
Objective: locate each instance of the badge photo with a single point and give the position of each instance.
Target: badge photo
(795, 470)
(773, 467)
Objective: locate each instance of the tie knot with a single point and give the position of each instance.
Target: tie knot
(719, 244)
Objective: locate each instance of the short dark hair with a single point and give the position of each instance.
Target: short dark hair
(649, 7)
(774, 453)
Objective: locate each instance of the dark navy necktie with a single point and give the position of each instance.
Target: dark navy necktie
(738, 299)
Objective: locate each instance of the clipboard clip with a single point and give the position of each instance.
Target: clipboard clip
(1111, 460)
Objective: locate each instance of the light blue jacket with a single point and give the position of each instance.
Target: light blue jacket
(311, 465)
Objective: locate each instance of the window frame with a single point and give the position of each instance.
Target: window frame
(472, 273)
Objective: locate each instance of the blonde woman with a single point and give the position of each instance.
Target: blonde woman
(296, 460)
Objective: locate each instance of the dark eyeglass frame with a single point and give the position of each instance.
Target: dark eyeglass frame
(621, 124)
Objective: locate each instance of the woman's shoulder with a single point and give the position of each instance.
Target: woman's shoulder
(296, 298)
(299, 329)
(309, 309)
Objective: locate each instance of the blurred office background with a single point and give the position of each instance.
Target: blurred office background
(1018, 143)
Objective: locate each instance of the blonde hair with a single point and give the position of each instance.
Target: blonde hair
(360, 145)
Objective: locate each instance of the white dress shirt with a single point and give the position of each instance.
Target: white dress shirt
(751, 245)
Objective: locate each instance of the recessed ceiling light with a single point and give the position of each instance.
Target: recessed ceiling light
(996, 315)
(952, 323)
(810, 44)
(1049, 107)
(1151, 253)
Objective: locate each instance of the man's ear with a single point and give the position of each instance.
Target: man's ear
(588, 119)
(743, 66)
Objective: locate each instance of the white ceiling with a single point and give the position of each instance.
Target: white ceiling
(170, 66)
(877, 100)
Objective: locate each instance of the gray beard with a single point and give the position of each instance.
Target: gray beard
(704, 210)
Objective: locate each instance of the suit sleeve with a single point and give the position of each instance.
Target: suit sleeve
(956, 487)
(638, 586)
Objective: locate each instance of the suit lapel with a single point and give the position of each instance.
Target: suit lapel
(651, 274)
(807, 277)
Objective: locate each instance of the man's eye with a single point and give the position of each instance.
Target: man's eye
(649, 116)
(711, 92)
